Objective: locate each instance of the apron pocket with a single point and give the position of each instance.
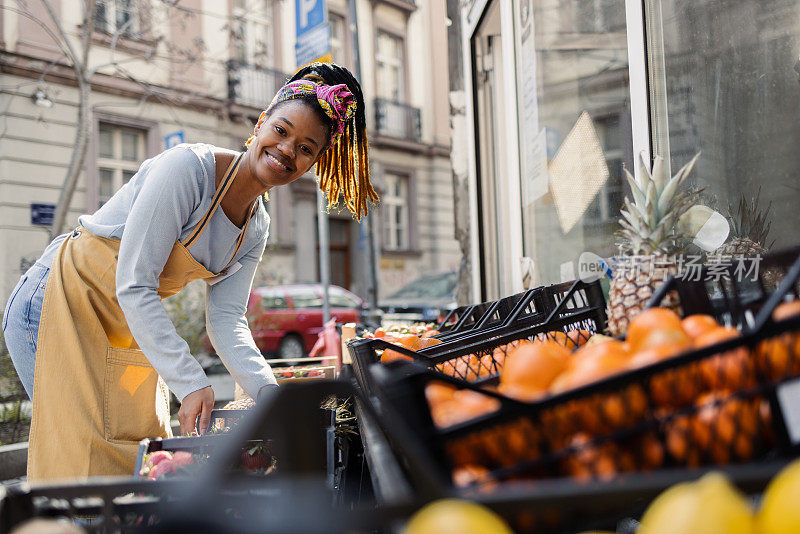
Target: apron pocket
(130, 398)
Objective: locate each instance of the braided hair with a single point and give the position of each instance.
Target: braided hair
(343, 169)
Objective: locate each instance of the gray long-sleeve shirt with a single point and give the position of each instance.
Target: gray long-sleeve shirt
(160, 205)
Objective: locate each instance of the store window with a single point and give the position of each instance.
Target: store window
(390, 66)
(113, 16)
(732, 78)
(120, 152)
(574, 129)
(396, 220)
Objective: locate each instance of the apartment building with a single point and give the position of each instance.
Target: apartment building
(201, 71)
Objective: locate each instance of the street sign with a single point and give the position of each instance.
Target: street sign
(173, 139)
(313, 45)
(313, 41)
(42, 214)
(308, 15)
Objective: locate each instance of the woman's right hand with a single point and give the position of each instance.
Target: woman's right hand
(199, 402)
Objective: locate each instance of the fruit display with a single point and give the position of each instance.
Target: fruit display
(649, 239)
(663, 411)
(713, 504)
(577, 310)
(298, 372)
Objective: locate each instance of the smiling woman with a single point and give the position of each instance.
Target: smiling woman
(106, 350)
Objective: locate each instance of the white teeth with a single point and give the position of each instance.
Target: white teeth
(281, 165)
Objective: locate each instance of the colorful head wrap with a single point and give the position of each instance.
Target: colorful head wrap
(343, 169)
(335, 100)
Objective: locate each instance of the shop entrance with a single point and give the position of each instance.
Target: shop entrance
(494, 238)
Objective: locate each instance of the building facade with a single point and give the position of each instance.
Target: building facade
(201, 71)
(560, 95)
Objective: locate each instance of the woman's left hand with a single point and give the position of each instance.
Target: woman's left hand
(199, 402)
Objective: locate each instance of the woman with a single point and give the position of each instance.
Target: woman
(88, 313)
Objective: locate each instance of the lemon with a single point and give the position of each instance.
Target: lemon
(455, 516)
(709, 505)
(780, 512)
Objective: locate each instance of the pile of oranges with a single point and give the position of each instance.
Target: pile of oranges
(707, 411)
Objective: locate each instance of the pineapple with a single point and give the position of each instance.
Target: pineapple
(649, 240)
(749, 229)
(749, 234)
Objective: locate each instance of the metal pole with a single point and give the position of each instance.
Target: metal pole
(324, 254)
(372, 286)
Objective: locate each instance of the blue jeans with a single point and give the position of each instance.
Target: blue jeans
(21, 322)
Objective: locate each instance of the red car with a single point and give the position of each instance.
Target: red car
(285, 320)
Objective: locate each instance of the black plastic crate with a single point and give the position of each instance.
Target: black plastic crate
(301, 435)
(716, 405)
(495, 313)
(577, 308)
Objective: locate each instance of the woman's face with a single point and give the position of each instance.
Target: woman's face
(288, 142)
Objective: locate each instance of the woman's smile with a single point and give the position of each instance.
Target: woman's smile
(278, 162)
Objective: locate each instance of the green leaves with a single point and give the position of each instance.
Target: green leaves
(648, 223)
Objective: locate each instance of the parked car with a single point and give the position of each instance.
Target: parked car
(427, 298)
(285, 320)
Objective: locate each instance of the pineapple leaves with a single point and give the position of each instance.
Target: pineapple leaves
(659, 174)
(638, 194)
(648, 223)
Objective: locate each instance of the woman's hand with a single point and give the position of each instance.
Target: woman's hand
(199, 402)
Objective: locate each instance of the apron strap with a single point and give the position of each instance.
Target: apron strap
(230, 173)
(241, 236)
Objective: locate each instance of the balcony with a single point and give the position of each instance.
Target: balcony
(253, 86)
(396, 120)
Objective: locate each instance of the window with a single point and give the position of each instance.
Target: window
(273, 302)
(389, 60)
(605, 207)
(339, 299)
(395, 212)
(574, 109)
(305, 298)
(338, 26)
(732, 94)
(120, 152)
(113, 16)
(252, 33)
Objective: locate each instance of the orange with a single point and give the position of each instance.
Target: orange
(578, 338)
(530, 369)
(592, 363)
(409, 341)
(438, 392)
(791, 340)
(786, 310)
(429, 333)
(733, 369)
(672, 387)
(648, 320)
(390, 355)
(380, 332)
(426, 342)
(666, 336)
(654, 354)
(698, 324)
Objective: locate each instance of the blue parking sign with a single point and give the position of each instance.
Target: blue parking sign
(173, 139)
(309, 14)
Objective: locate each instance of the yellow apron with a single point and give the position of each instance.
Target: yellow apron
(95, 394)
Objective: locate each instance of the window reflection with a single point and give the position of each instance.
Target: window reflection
(579, 48)
(733, 93)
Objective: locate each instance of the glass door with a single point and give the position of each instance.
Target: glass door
(490, 129)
